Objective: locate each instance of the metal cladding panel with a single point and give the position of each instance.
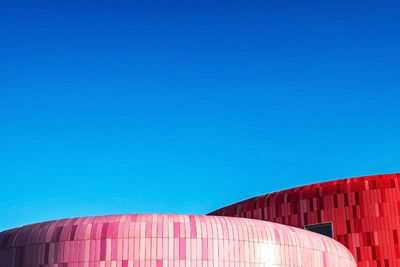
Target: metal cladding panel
(364, 212)
(160, 240)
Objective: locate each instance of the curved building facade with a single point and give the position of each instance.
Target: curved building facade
(361, 213)
(159, 240)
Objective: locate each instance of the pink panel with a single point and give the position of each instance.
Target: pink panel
(158, 240)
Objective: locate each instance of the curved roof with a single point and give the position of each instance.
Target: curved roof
(327, 188)
(162, 239)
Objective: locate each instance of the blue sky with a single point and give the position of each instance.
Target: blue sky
(184, 107)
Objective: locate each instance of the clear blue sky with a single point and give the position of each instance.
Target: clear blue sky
(184, 107)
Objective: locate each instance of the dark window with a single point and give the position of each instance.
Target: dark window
(321, 228)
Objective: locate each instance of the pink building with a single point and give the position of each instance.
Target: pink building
(159, 240)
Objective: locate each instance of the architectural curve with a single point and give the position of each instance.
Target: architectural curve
(161, 240)
(363, 214)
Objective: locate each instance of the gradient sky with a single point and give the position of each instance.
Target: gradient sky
(184, 106)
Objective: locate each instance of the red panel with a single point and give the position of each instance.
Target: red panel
(364, 212)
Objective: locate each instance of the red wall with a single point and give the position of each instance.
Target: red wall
(364, 212)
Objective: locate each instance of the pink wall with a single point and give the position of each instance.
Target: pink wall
(159, 240)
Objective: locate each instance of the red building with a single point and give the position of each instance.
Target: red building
(361, 213)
